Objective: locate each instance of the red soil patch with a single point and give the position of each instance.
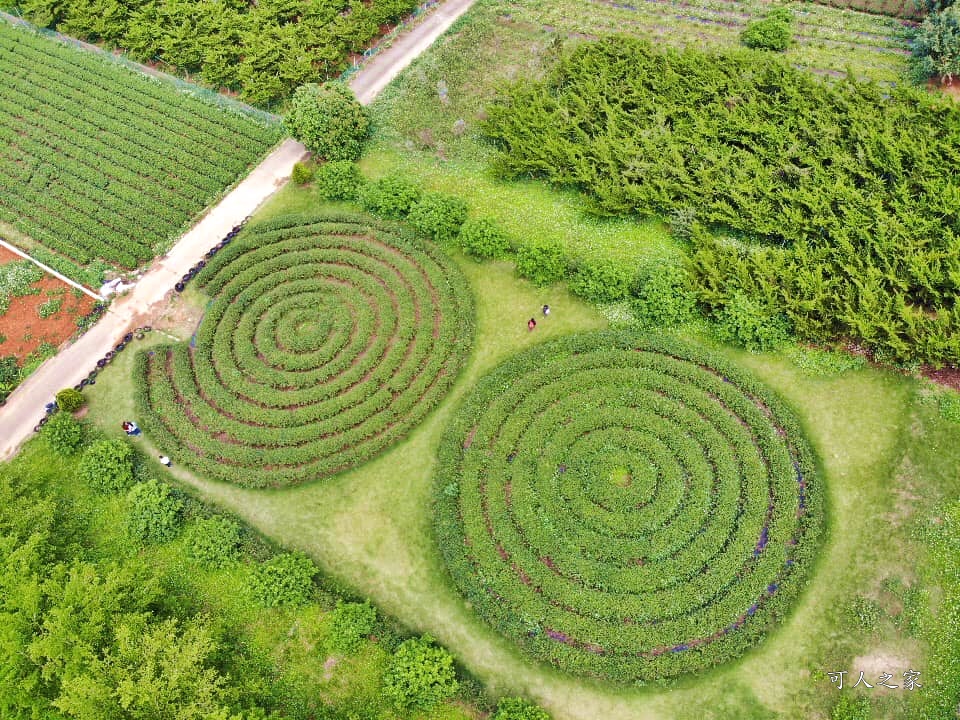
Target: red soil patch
(22, 325)
(946, 376)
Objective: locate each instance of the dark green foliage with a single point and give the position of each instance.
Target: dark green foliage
(519, 709)
(582, 483)
(936, 47)
(9, 370)
(849, 707)
(261, 49)
(338, 180)
(350, 624)
(438, 216)
(63, 433)
(774, 32)
(664, 296)
(748, 323)
(849, 226)
(482, 238)
(284, 579)
(600, 280)
(107, 466)
(155, 513)
(70, 400)
(392, 196)
(420, 675)
(329, 338)
(541, 262)
(214, 541)
(302, 173)
(328, 120)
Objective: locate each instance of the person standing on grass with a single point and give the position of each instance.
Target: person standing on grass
(164, 460)
(546, 310)
(531, 324)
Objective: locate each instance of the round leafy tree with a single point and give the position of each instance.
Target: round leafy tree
(936, 47)
(774, 32)
(107, 466)
(338, 180)
(214, 541)
(328, 120)
(438, 216)
(483, 238)
(420, 675)
(155, 513)
(63, 433)
(350, 623)
(392, 196)
(328, 340)
(626, 507)
(519, 709)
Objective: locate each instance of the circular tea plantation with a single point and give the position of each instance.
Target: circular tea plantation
(327, 340)
(627, 508)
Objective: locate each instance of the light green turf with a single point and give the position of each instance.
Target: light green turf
(371, 527)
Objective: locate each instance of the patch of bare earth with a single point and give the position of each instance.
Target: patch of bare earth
(328, 665)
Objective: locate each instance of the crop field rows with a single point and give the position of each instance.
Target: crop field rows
(107, 164)
(828, 40)
(626, 509)
(328, 340)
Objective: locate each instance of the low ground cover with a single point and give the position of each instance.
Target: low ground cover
(104, 163)
(327, 340)
(627, 508)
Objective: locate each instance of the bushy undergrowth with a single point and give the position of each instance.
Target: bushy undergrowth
(849, 227)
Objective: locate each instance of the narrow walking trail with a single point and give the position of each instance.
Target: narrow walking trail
(25, 406)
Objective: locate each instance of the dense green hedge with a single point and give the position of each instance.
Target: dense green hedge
(263, 49)
(329, 338)
(627, 508)
(850, 190)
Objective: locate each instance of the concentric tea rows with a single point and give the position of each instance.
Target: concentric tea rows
(627, 509)
(328, 340)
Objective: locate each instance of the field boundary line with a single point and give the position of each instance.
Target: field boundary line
(51, 271)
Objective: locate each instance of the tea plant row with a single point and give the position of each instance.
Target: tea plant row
(626, 508)
(327, 341)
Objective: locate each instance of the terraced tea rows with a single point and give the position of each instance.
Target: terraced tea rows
(99, 162)
(328, 340)
(627, 510)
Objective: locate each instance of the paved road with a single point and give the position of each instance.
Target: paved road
(25, 406)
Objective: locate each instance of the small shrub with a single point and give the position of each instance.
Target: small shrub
(9, 370)
(851, 708)
(420, 675)
(284, 579)
(936, 47)
(483, 238)
(825, 363)
(391, 196)
(665, 297)
(438, 215)
(70, 400)
(350, 623)
(772, 33)
(748, 323)
(541, 263)
(519, 709)
(328, 120)
(63, 433)
(155, 514)
(302, 173)
(49, 308)
(107, 466)
(338, 180)
(214, 541)
(599, 280)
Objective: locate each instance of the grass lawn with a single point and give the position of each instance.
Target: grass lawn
(371, 528)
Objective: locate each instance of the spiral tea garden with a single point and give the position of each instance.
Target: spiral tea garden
(626, 508)
(328, 339)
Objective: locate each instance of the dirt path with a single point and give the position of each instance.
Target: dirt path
(25, 406)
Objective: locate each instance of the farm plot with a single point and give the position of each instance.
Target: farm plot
(328, 340)
(100, 163)
(627, 509)
(37, 313)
